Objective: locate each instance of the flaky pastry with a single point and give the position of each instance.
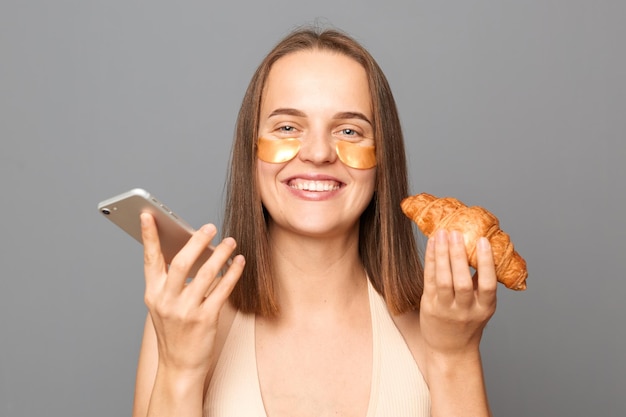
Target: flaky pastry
(431, 214)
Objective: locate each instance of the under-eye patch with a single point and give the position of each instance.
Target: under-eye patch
(355, 155)
(276, 151)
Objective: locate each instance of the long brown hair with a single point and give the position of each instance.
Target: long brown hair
(387, 244)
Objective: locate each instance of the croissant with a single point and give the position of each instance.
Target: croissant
(431, 213)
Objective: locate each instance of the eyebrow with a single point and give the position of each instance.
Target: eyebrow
(352, 115)
(287, 112)
(341, 115)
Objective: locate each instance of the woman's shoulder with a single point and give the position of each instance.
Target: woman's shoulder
(408, 324)
(224, 323)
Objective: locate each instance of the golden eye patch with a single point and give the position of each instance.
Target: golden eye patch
(355, 155)
(277, 151)
(282, 150)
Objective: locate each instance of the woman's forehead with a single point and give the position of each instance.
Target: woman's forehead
(317, 77)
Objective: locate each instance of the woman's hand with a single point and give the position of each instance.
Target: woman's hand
(454, 310)
(455, 305)
(185, 314)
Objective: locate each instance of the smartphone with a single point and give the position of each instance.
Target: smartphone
(124, 211)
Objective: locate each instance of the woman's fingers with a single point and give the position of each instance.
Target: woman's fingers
(446, 269)
(185, 259)
(154, 264)
(185, 316)
(487, 280)
(455, 309)
(205, 280)
(175, 278)
(430, 285)
(221, 291)
(437, 274)
(443, 272)
(461, 276)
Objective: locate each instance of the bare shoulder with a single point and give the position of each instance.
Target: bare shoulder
(224, 323)
(409, 326)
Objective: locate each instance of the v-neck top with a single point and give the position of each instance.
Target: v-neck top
(398, 388)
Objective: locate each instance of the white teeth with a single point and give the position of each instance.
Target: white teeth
(315, 185)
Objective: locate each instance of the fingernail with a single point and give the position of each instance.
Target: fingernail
(230, 242)
(208, 229)
(442, 234)
(456, 236)
(483, 243)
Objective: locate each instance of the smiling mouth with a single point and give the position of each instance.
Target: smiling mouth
(316, 186)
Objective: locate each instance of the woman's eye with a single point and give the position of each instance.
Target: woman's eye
(352, 133)
(287, 129)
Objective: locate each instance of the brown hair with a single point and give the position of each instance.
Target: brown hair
(387, 243)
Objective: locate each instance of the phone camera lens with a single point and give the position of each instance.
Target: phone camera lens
(106, 211)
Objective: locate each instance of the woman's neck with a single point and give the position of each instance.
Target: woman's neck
(315, 274)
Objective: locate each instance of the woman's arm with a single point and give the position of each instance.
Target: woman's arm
(146, 370)
(160, 391)
(179, 336)
(454, 310)
(457, 386)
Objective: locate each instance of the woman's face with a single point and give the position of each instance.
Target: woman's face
(318, 98)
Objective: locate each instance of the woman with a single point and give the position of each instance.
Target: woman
(326, 309)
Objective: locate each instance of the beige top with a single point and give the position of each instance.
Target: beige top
(398, 387)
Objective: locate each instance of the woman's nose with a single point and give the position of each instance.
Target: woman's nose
(318, 148)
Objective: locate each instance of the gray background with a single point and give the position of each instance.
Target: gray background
(518, 106)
